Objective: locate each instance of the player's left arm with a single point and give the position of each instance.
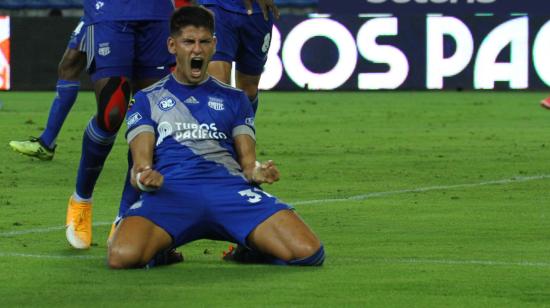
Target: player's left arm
(254, 171)
(245, 145)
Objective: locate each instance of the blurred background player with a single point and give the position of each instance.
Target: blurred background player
(126, 51)
(199, 134)
(243, 30)
(69, 69)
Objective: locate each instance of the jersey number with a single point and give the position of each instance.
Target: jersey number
(253, 195)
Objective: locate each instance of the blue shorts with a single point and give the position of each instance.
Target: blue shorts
(226, 209)
(136, 50)
(243, 39)
(77, 37)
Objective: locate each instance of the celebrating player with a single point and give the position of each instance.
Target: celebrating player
(193, 147)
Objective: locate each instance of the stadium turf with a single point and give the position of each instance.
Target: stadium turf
(421, 199)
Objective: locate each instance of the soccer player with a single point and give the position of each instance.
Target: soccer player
(69, 69)
(126, 51)
(193, 147)
(243, 29)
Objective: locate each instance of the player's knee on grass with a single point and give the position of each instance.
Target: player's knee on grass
(125, 256)
(315, 259)
(112, 104)
(285, 236)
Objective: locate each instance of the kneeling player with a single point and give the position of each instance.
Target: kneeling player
(193, 147)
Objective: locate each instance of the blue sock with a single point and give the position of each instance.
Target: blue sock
(96, 145)
(246, 255)
(61, 106)
(316, 259)
(254, 103)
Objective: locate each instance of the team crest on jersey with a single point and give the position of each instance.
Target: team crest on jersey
(215, 103)
(166, 103)
(133, 119)
(99, 5)
(191, 100)
(104, 49)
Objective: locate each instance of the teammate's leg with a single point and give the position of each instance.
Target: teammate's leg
(249, 84)
(70, 67)
(68, 84)
(110, 68)
(136, 242)
(113, 95)
(220, 70)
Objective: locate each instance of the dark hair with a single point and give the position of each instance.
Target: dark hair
(197, 16)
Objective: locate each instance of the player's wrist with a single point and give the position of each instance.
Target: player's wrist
(256, 172)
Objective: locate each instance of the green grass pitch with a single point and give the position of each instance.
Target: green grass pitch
(428, 199)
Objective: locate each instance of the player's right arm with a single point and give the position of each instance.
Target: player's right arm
(141, 138)
(143, 176)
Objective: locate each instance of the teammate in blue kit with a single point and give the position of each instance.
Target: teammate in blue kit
(126, 51)
(69, 69)
(193, 147)
(243, 29)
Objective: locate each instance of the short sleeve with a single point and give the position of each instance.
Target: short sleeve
(138, 118)
(244, 120)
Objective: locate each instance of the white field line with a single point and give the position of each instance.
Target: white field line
(45, 256)
(45, 230)
(467, 262)
(384, 261)
(518, 179)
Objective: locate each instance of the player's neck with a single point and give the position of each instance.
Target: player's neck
(182, 80)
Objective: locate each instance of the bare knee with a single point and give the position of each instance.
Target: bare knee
(124, 256)
(305, 249)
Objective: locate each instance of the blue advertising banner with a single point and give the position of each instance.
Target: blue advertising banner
(344, 52)
(449, 7)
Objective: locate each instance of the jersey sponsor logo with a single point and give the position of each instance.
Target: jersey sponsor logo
(193, 131)
(215, 103)
(133, 119)
(164, 129)
(104, 49)
(191, 100)
(182, 131)
(166, 103)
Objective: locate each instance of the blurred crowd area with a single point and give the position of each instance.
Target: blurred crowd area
(73, 8)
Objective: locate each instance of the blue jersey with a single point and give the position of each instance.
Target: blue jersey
(127, 10)
(194, 127)
(236, 6)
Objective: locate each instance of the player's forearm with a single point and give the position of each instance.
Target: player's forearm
(246, 153)
(142, 150)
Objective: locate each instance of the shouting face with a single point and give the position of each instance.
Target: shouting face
(193, 48)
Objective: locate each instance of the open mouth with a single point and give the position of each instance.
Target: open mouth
(196, 66)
